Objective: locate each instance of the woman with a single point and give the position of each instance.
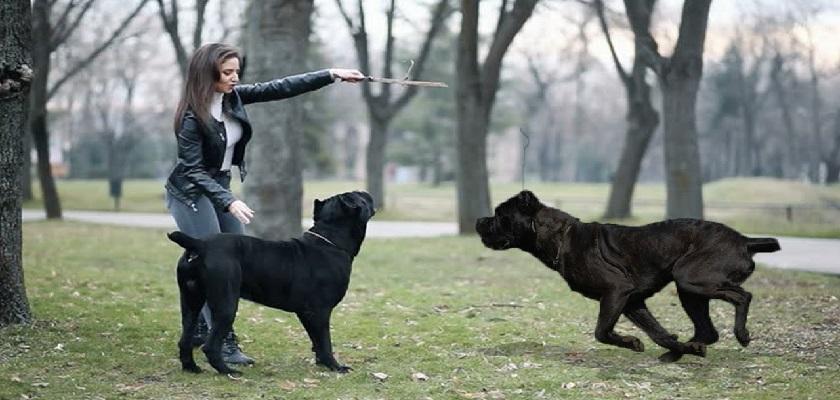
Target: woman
(212, 130)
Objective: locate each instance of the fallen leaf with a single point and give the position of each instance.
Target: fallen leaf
(419, 376)
(59, 347)
(570, 385)
(16, 378)
(40, 384)
(288, 385)
(380, 376)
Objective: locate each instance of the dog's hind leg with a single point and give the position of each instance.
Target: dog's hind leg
(741, 299)
(192, 297)
(697, 308)
(612, 305)
(222, 323)
(317, 325)
(639, 314)
(732, 294)
(223, 301)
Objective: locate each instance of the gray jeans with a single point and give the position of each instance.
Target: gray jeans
(208, 220)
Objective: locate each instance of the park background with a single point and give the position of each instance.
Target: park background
(538, 98)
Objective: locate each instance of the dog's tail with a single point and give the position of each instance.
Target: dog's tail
(188, 242)
(762, 245)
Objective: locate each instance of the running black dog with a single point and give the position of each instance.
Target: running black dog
(622, 266)
(307, 276)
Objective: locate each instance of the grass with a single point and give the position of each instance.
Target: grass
(755, 205)
(478, 323)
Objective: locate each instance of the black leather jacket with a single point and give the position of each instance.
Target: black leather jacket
(201, 149)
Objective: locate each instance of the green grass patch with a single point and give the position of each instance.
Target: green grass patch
(478, 323)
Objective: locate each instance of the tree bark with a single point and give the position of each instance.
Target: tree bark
(375, 160)
(642, 120)
(476, 93)
(15, 78)
(41, 34)
(278, 39)
(679, 77)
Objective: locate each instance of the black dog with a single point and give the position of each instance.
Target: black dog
(622, 266)
(307, 276)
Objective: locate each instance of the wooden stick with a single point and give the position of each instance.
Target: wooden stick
(405, 82)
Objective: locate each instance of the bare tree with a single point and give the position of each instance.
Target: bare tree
(277, 42)
(642, 118)
(679, 77)
(476, 94)
(779, 88)
(109, 109)
(831, 155)
(15, 80)
(171, 23)
(49, 34)
(381, 110)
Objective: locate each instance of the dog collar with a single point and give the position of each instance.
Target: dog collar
(321, 237)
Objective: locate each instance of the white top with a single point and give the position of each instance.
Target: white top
(233, 128)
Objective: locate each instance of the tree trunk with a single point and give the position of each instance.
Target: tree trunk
(278, 39)
(41, 33)
(816, 121)
(680, 81)
(476, 93)
(473, 183)
(642, 120)
(778, 88)
(15, 42)
(375, 161)
(40, 135)
(26, 178)
(682, 155)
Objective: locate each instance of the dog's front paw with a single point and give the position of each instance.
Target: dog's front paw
(695, 348)
(743, 336)
(193, 368)
(670, 357)
(633, 343)
(342, 369)
(334, 366)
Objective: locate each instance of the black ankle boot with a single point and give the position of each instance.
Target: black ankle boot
(231, 353)
(201, 330)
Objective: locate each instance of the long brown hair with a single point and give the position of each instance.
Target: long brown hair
(202, 73)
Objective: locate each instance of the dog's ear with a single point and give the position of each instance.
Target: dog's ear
(318, 206)
(528, 202)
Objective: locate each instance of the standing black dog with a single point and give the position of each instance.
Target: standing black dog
(307, 276)
(622, 266)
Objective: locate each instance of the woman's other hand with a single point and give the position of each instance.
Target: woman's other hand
(347, 75)
(241, 211)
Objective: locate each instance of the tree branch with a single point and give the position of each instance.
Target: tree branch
(638, 12)
(491, 69)
(62, 31)
(439, 15)
(387, 71)
(200, 8)
(360, 42)
(96, 52)
(170, 24)
(692, 36)
(599, 9)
